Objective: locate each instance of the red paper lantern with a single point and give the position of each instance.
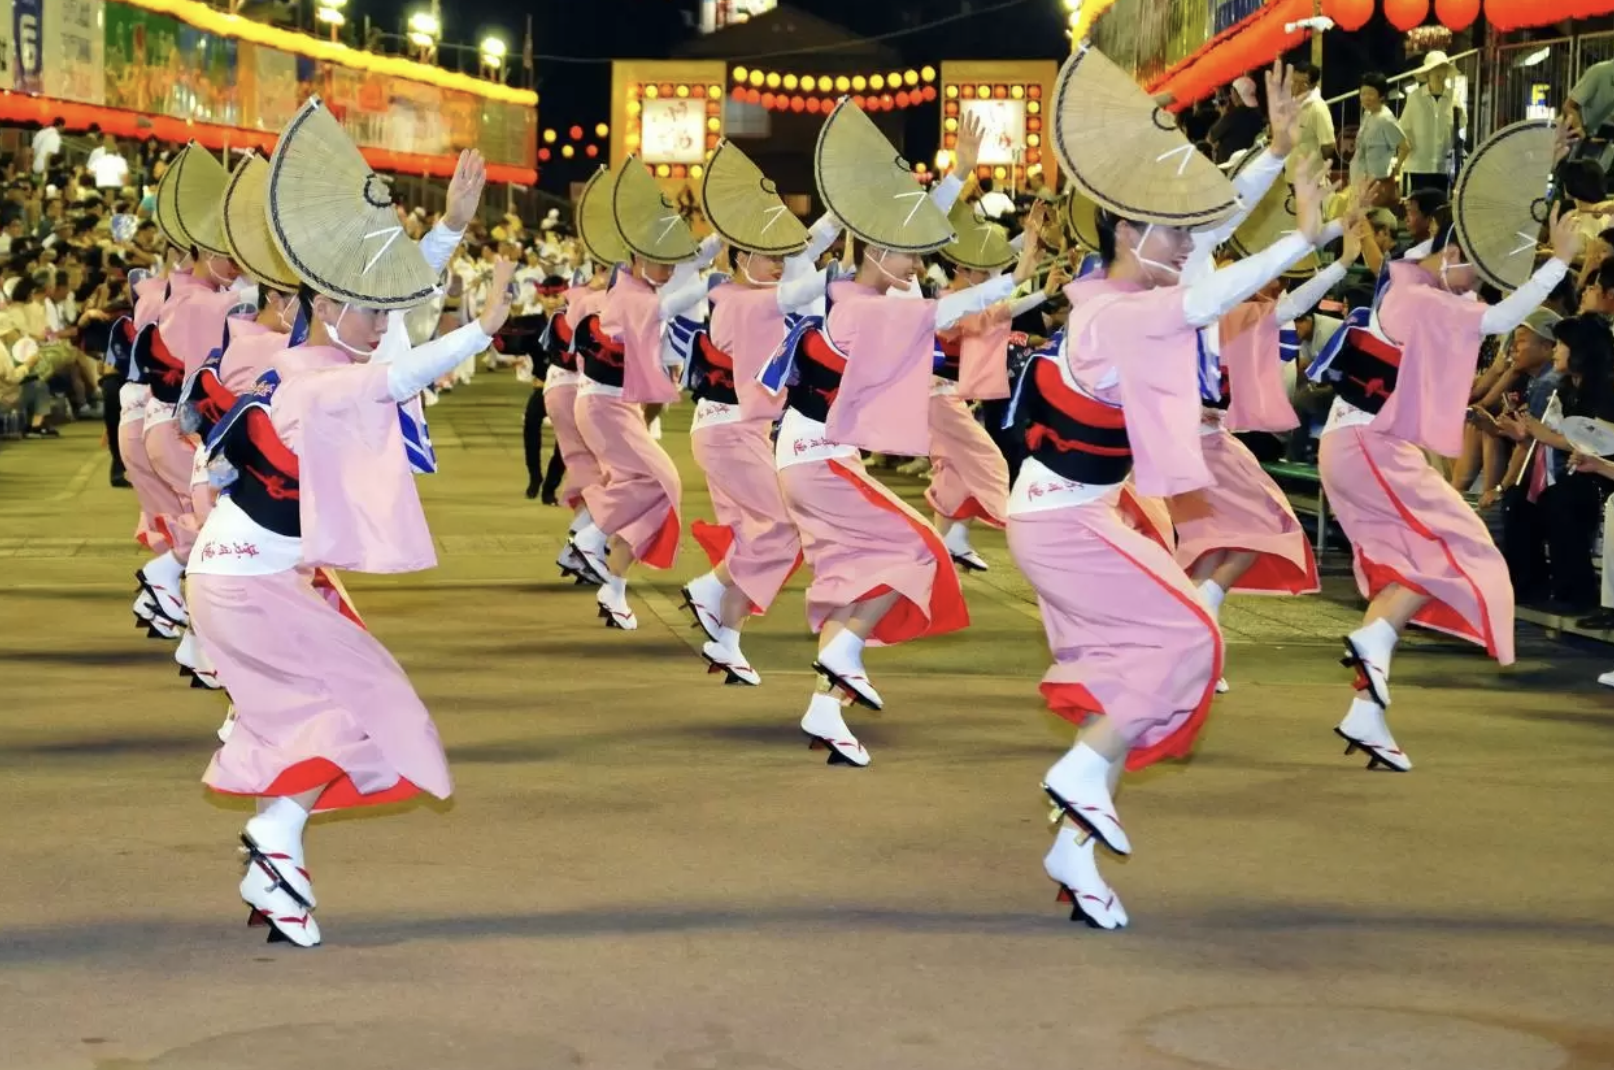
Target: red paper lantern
(859, 103)
(543, 154)
(929, 93)
(576, 132)
(887, 101)
(813, 105)
(1457, 15)
(1350, 15)
(768, 100)
(592, 151)
(738, 92)
(798, 104)
(902, 99)
(1406, 15)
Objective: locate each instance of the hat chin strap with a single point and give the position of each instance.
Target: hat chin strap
(1137, 253)
(1445, 283)
(745, 271)
(879, 263)
(335, 331)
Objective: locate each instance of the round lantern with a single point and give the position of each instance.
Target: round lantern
(1406, 15)
(1350, 15)
(1457, 15)
(1504, 14)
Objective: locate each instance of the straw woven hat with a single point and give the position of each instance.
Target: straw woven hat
(1125, 152)
(648, 222)
(167, 219)
(198, 198)
(980, 245)
(743, 206)
(870, 187)
(1500, 203)
(595, 223)
(1268, 221)
(332, 218)
(1081, 218)
(246, 228)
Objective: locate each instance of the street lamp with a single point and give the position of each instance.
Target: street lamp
(493, 53)
(330, 13)
(424, 29)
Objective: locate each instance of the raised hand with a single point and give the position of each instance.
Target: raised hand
(1567, 239)
(1351, 241)
(1031, 251)
(1566, 134)
(1283, 110)
(465, 190)
(971, 132)
(1310, 191)
(500, 295)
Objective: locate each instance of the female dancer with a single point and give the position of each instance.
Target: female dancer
(326, 718)
(186, 330)
(1136, 656)
(1401, 373)
(633, 511)
(134, 397)
(970, 477)
(754, 547)
(860, 380)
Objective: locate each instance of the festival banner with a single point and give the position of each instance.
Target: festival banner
(72, 47)
(8, 48)
(28, 67)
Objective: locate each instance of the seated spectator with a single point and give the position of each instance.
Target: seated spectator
(1420, 208)
(1554, 510)
(1240, 125)
(21, 389)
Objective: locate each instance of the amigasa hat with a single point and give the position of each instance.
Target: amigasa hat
(743, 206)
(595, 225)
(1500, 203)
(332, 218)
(1272, 218)
(980, 245)
(198, 198)
(166, 218)
(246, 227)
(648, 222)
(871, 189)
(1126, 153)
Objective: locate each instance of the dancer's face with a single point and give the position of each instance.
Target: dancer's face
(653, 273)
(759, 269)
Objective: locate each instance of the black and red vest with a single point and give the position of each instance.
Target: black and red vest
(601, 356)
(819, 368)
(266, 485)
(948, 350)
(1075, 436)
(160, 369)
(1365, 369)
(561, 353)
(711, 372)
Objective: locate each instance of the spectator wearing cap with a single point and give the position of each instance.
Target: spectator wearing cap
(1431, 118)
(1552, 511)
(1241, 124)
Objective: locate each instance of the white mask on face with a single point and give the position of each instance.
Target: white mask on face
(745, 272)
(900, 284)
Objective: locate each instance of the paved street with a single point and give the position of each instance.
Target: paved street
(644, 869)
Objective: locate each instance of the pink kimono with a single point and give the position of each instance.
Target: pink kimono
(733, 446)
(860, 539)
(1407, 525)
(318, 700)
(638, 498)
(1243, 509)
(1129, 636)
(133, 399)
(190, 326)
(969, 477)
(560, 402)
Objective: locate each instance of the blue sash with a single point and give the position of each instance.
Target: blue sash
(417, 443)
(1359, 318)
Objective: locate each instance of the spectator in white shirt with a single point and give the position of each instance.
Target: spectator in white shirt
(1431, 118)
(1316, 123)
(994, 205)
(110, 169)
(47, 143)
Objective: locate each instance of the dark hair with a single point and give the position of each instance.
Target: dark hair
(1603, 277)
(23, 290)
(1583, 180)
(1308, 70)
(1105, 223)
(1429, 201)
(1446, 236)
(1375, 80)
(1590, 340)
(1565, 295)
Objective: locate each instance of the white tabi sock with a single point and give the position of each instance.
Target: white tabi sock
(1376, 642)
(580, 521)
(617, 585)
(845, 645)
(957, 538)
(824, 706)
(728, 638)
(286, 816)
(164, 571)
(1211, 593)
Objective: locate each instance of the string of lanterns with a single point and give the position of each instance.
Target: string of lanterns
(572, 146)
(781, 91)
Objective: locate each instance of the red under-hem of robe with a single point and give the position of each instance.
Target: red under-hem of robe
(340, 794)
(663, 549)
(1273, 574)
(715, 540)
(947, 611)
(1075, 703)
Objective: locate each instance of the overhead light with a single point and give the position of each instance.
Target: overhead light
(493, 48)
(421, 40)
(1534, 59)
(330, 16)
(425, 23)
